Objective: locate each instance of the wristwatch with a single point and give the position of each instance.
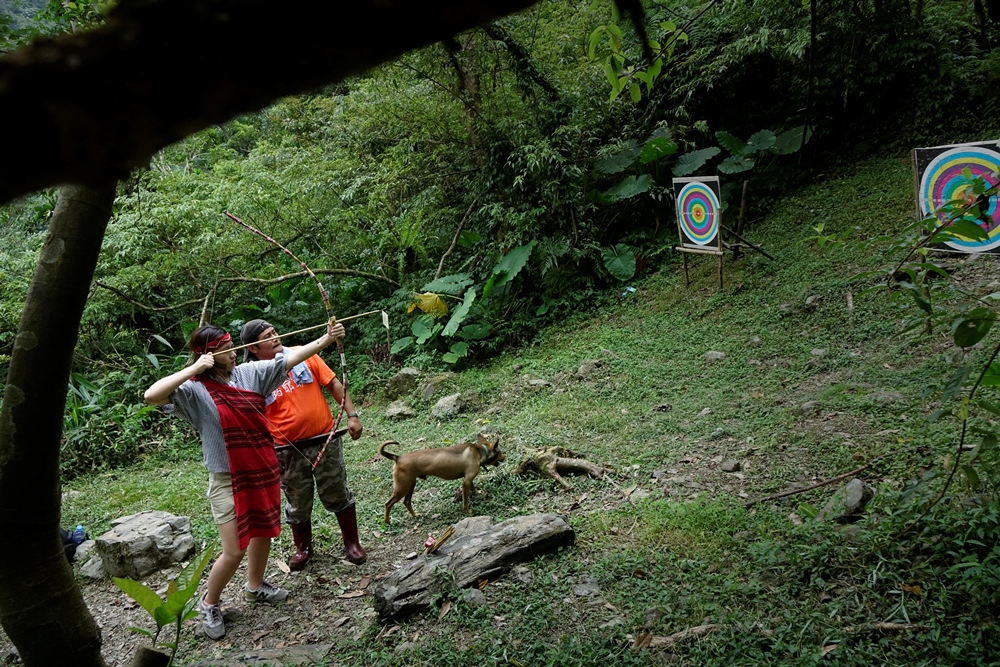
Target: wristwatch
(352, 414)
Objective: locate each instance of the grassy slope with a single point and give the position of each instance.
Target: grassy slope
(688, 554)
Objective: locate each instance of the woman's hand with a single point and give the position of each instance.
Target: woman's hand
(335, 331)
(204, 363)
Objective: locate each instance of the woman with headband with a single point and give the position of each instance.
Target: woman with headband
(225, 403)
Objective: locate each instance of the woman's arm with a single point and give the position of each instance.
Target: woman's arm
(300, 354)
(159, 393)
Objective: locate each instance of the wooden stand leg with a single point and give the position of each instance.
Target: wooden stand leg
(720, 272)
(684, 261)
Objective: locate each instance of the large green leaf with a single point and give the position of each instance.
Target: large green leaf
(424, 328)
(628, 187)
(732, 144)
(475, 331)
(401, 344)
(735, 164)
(453, 284)
(760, 141)
(457, 351)
(992, 376)
(620, 261)
(618, 162)
(657, 148)
(512, 263)
(468, 238)
(144, 595)
(691, 162)
(790, 141)
(460, 313)
(962, 229)
(974, 326)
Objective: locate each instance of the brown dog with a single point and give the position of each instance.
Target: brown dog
(463, 461)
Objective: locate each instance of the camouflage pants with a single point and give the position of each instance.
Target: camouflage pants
(297, 480)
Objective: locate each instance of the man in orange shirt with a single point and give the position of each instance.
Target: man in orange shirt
(300, 421)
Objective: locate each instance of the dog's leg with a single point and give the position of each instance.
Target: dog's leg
(466, 492)
(408, 498)
(396, 496)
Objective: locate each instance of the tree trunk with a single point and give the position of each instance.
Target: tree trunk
(41, 608)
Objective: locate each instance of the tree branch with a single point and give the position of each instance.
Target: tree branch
(453, 240)
(94, 105)
(242, 279)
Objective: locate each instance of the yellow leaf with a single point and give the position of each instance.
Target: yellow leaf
(430, 303)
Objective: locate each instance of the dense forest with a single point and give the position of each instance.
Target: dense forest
(485, 188)
(511, 171)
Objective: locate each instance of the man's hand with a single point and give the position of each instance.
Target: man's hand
(354, 428)
(335, 331)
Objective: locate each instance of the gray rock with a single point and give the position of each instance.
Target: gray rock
(402, 383)
(474, 597)
(539, 382)
(523, 574)
(434, 384)
(847, 502)
(653, 616)
(448, 407)
(809, 407)
(463, 561)
(405, 647)
(138, 545)
(638, 495)
(745, 536)
(588, 368)
(586, 587)
(399, 410)
(730, 465)
(93, 568)
(717, 433)
(714, 355)
(813, 301)
(888, 397)
(706, 412)
(818, 352)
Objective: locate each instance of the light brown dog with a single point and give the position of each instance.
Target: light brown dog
(463, 461)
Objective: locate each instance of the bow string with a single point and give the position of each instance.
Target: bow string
(330, 318)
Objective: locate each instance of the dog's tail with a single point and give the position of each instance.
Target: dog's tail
(388, 455)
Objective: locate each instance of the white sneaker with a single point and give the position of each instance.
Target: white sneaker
(265, 593)
(211, 619)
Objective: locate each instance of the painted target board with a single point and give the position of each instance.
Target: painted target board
(940, 180)
(699, 218)
(699, 211)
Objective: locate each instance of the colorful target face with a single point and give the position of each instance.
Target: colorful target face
(698, 210)
(942, 181)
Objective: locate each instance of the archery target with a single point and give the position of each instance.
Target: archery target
(940, 181)
(698, 209)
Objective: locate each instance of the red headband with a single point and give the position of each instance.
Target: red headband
(212, 345)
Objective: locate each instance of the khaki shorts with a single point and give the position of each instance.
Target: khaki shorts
(220, 497)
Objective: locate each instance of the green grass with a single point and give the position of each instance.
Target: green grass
(778, 592)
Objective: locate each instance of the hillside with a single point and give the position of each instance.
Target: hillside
(816, 381)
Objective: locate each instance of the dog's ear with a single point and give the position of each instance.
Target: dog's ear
(481, 439)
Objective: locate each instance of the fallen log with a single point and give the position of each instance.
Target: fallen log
(477, 551)
(554, 462)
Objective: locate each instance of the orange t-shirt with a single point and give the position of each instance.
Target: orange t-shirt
(300, 411)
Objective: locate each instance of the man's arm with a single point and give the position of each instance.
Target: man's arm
(354, 427)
